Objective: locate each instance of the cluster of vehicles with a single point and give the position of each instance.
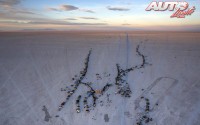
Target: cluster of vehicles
(77, 82)
(145, 117)
(122, 86)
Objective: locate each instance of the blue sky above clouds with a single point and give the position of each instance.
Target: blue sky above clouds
(91, 14)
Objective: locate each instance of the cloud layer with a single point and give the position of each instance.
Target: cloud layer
(71, 19)
(64, 8)
(9, 2)
(49, 22)
(118, 8)
(86, 10)
(67, 7)
(89, 18)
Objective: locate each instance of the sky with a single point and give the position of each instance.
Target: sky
(92, 15)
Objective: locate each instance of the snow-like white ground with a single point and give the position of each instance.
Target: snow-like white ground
(35, 66)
